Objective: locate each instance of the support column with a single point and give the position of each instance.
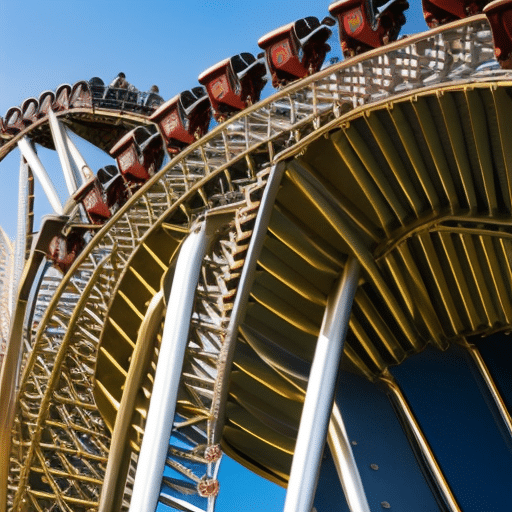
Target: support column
(83, 169)
(30, 155)
(61, 145)
(345, 463)
(159, 422)
(320, 393)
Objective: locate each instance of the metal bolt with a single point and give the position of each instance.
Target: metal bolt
(375, 467)
(385, 504)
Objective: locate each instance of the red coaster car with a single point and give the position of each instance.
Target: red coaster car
(90, 194)
(13, 121)
(114, 186)
(139, 155)
(184, 118)
(297, 49)
(234, 84)
(81, 95)
(440, 12)
(46, 100)
(367, 24)
(29, 111)
(499, 14)
(62, 96)
(63, 250)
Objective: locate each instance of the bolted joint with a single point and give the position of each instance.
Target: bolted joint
(213, 453)
(208, 487)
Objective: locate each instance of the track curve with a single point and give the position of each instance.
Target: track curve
(67, 395)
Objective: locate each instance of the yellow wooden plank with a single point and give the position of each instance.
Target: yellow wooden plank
(479, 280)
(501, 286)
(411, 288)
(297, 282)
(283, 309)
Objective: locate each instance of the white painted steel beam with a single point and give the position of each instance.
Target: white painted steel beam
(320, 393)
(80, 163)
(62, 147)
(160, 418)
(27, 150)
(345, 463)
(21, 230)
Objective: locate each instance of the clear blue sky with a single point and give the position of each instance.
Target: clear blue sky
(163, 42)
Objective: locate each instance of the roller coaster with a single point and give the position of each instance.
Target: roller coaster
(318, 286)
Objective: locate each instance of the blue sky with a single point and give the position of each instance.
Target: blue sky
(163, 42)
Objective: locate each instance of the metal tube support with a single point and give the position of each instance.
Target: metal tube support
(30, 155)
(159, 422)
(78, 159)
(21, 231)
(320, 393)
(491, 385)
(427, 453)
(60, 141)
(345, 463)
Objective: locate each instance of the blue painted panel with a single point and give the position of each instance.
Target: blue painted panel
(395, 477)
(459, 422)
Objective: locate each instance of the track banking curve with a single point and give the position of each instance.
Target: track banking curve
(65, 372)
